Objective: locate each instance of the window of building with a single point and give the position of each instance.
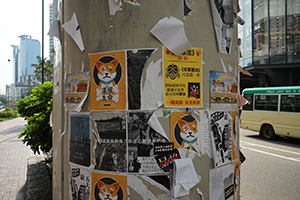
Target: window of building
(266, 102)
(260, 32)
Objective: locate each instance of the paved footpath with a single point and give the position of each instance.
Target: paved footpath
(13, 159)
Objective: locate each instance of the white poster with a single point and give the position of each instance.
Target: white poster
(80, 183)
(221, 183)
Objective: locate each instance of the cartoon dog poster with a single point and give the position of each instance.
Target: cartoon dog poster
(108, 80)
(185, 131)
(109, 186)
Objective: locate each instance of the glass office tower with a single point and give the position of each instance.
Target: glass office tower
(270, 42)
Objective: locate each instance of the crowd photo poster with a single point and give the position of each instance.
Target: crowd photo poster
(182, 78)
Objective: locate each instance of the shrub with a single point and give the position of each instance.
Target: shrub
(9, 113)
(36, 109)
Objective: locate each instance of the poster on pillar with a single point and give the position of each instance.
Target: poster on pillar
(223, 91)
(141, 144)
(80, 183)
(76, 89)
(110, 150)
(185, 131)
(109, 186)
(80, 139)
(182, 79)
(117, 79)
(223, 16)
(108, 80)
(221, 135)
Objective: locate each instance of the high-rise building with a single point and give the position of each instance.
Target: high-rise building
(270, 42)
(29, 50)
(16, 52)
(50, 23)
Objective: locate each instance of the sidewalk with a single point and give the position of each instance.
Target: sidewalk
(13, 160)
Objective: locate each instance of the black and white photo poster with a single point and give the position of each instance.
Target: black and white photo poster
(221, 133)
(141, 139)
(223, 15)
(110, 151)
(80, 139)
(80, 183)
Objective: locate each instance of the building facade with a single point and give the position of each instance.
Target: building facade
(16, 51)
(270, 42)
(29, 50)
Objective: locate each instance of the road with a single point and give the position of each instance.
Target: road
(13, 159)
(272, 168)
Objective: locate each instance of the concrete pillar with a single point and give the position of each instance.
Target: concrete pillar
(129, 28)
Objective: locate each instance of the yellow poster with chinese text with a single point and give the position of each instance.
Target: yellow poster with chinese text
(108, 80)
(182, 78)
(108, 186)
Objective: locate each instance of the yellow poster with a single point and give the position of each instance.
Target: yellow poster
(185, 131)
(182, 78)
(108, 80)
(108, 186)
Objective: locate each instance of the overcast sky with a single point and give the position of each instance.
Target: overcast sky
(20, 17)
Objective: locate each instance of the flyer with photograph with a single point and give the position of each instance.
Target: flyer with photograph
(80, 139)
(110, 151)
(141, 144)
(76, 89)
(223, 91)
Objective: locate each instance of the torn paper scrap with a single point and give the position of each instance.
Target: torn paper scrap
(114, 6)
(55, 29)
(154, 123)
(132, 2)
(242, 101)
(150, 98)
(185, 177)
(72, 28)
(245, 72)
(170, 32)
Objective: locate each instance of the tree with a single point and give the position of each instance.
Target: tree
(36, 109)
(48, 69)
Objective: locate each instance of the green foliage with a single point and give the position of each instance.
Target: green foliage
(48, 69)
(9, 113)
(36, 109)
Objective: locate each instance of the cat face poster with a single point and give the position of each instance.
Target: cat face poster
(109, 186)
(185, 131)
(108, 80)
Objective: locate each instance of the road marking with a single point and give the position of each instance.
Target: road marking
(267, 147)
(271, 154)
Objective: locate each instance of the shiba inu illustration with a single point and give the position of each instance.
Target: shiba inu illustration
(189, 133)
(108, 191)
(107, 73)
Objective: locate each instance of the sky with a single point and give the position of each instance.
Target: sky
(20, 17)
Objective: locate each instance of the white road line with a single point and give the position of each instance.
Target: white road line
(267, 147)
(272, 154)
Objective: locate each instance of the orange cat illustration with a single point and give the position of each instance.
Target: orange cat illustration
(107, 73)
(108, 192)
(189, 134)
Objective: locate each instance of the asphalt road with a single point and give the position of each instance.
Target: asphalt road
(272, 168)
